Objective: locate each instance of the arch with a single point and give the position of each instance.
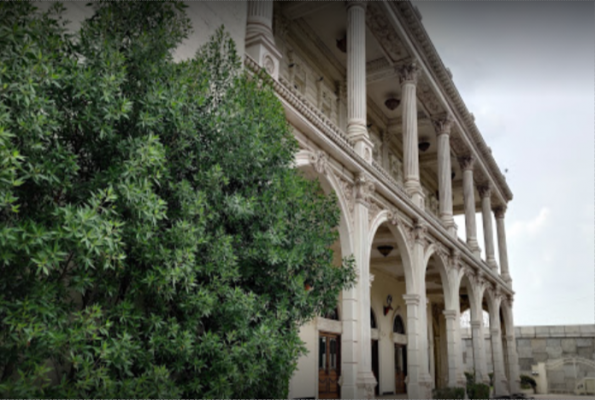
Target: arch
(399, 325)
(401, 239)
(447, 287)
(330, 183)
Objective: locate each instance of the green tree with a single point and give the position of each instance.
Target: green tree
(154, 239)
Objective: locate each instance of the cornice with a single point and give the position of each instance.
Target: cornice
(385, 185)
(407, 13)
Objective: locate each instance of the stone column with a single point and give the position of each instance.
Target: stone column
(514, 380)
(500, 382)
(479, 356)
(453, 350)
(415, 353)
(365, 380)
(485, 193)
(356, 79)
(408, 75)
(260, 42)
(442, 127)
(467, 164)
(502, 250)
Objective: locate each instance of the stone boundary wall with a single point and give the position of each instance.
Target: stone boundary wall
(539, 344)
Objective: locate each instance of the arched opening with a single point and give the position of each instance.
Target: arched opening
(391, 267)
(439, 299)
(323, 335)
(373, 323)
(398, 325)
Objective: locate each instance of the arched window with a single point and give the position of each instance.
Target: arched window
(372, 319)
(398, 326)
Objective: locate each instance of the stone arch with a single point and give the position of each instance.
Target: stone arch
(401, 239)
(307, 161)
(442, 266)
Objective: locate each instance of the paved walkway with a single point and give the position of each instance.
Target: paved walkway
(561, 396)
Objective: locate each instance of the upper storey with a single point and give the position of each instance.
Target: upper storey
(312, 38)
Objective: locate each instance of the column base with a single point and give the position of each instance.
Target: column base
(507, 279)
(361, 141)
(414, 190)
(366, 382)
(491, 261)
(264, 51)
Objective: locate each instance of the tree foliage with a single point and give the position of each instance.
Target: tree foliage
(154, 238)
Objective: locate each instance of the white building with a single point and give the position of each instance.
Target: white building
(381, 124)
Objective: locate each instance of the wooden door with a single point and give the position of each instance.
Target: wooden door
(375, 365)
(329, 365)
(400, 368)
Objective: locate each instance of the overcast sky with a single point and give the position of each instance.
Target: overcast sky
(526, 70)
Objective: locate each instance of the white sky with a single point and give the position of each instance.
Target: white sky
(527, 72)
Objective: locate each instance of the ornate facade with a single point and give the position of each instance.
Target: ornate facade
(381, 124)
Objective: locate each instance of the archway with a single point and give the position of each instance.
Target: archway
(390, 264)
(319, 372)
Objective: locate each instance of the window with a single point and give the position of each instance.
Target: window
(398, 326)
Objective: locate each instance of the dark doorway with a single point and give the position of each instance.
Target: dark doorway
(329, 365)
(375, 369)
(400, 368)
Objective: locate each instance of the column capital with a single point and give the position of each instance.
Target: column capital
(442, 124)
(408, 73)
(467, 162)
(484, 190)
(450, 314)
(499, 212)
(476, 324)
(411, 299)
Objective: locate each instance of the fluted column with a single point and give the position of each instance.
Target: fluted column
(365, 380)
(485, 193)
(500, 382)
(442, 127)
(408, 75)
(467, 164)
(260, 42)
(499, 213)
(356, 79)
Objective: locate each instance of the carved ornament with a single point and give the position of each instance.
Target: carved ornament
(408, 73)
(347, 190)
(384, 33)
(499, 212)
(443, 124)
(319, 161)
(484, 190)
(467, 162)
(364, 188)
(428, 98)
